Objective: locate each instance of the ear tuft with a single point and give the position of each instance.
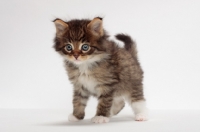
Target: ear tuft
(100, 18)
(61, 27)
(96, 27)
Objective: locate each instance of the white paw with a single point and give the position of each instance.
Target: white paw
(72, 118)
(141, 117)
(100, 119)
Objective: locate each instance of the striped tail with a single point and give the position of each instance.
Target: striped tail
(130, 45)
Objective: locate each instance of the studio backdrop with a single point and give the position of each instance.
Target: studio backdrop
(167, 34)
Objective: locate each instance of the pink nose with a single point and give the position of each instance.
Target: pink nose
(76, 56)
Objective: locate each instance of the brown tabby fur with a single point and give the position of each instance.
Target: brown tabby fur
(116, 74)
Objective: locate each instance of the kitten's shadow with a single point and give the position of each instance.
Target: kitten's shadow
(87, 122)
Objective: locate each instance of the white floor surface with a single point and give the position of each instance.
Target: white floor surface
(55, 120)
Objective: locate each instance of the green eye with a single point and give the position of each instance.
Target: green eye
(68, 47)
(85, 47)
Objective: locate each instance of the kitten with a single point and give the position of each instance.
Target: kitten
(97, 66)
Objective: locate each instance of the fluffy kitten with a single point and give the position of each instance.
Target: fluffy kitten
(97, 66)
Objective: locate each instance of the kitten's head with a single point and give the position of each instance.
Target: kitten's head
(80, 41)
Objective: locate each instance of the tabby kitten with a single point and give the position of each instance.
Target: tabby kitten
(97, 67)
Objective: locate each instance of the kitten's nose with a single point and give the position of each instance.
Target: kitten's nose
(76, 56)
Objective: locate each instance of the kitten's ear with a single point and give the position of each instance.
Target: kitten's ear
(96, 27)
(61, 27)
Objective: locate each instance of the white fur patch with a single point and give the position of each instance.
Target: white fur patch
(85, 79)
(140, 110)
(88, 82)
(141, 117)
(100, 119)
(72, 118)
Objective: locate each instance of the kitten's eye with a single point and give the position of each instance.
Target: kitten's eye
(85, 47)
(68, 47)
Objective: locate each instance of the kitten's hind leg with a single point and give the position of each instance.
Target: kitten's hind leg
(117, 105)
(140, 110)
(135, 98)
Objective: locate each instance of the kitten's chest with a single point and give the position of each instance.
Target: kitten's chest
(88, 81)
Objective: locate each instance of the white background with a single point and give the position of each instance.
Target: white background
(167, 33)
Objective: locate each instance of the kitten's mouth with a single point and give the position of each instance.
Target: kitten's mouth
(77, 60)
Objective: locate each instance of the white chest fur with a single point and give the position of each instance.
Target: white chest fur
(88, 81)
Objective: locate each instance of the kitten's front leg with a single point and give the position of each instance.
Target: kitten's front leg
(79, 103)
(103, 109)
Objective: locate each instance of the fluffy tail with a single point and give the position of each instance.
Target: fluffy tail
(129, 43)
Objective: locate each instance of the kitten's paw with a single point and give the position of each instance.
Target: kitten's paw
(141, 117)
(72, 118)
(100, 119)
